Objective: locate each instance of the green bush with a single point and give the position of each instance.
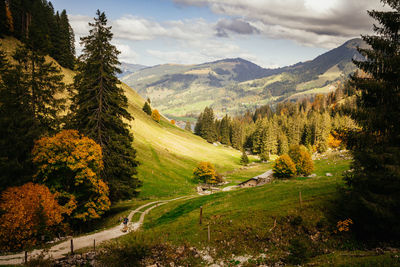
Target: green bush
(284, 167)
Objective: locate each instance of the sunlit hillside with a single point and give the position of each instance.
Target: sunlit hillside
(167, 154)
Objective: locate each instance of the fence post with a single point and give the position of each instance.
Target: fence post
(94, 244)
(26, 256)
(201, 214)
(209, 237)
(72, 246)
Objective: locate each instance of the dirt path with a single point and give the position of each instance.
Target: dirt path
(59, 250)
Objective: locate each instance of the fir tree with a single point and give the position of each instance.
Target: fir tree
(225, 130)
(244, 160)
(236, 134)
(146, 108)
(3, 19)
(42, 81)
(205, 126)
(67, 49)
(375, 182)
(100, 106)
(283, 145)
(28, 109)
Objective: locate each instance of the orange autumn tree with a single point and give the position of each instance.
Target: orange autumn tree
(29, 212)
(70, 163)
(155, 115)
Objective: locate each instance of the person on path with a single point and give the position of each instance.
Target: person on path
(125, 222)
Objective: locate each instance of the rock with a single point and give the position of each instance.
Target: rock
(312, 175)
(329, 174)
(154, 265)
(180, 250)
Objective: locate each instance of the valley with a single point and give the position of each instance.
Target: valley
(233, 86)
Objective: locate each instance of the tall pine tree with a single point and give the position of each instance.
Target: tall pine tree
(28, 109)
(99, 108)
(375, 182)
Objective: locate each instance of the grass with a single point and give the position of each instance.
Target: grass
(254, 220)
(169, 154)
(279, 198)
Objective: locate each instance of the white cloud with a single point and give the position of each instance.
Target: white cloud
(139, 29)
(310, 22)
(127, 53)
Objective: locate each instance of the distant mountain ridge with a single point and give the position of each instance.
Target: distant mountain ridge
(127, 68)
(235, 84)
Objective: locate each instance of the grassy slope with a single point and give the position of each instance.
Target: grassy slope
(167, 153)
(242, 221)
(259, 205)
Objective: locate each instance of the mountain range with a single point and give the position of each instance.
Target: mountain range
(235, 85)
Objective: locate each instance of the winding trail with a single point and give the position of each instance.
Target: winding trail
(59, 250)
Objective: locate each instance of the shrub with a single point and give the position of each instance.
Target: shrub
(244, 160)
(294, 152)
(173, 122)
(205, 173)
(298, 249)
(155, 115)
(302, 160)
(304, 165)
(29, 211)
(296, 221)
(284, 167)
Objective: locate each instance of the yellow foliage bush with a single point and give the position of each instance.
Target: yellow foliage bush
(333, 140)
(302, 159)
(284, 167)
(206, 173)
(304, 164)
(70, 164)
(29, 211)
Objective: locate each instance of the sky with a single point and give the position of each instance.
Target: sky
(270, 33)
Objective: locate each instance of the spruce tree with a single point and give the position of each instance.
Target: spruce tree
(99, 108)
(205, 126)
(375, 182)
(3, 19)
(67, 48)
(147, 109)
(28, 109)
(225, 130)
(244, 160)
(42, 81)
(236, 134)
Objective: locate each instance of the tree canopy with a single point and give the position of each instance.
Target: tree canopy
(375, 181)
(100, 109)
